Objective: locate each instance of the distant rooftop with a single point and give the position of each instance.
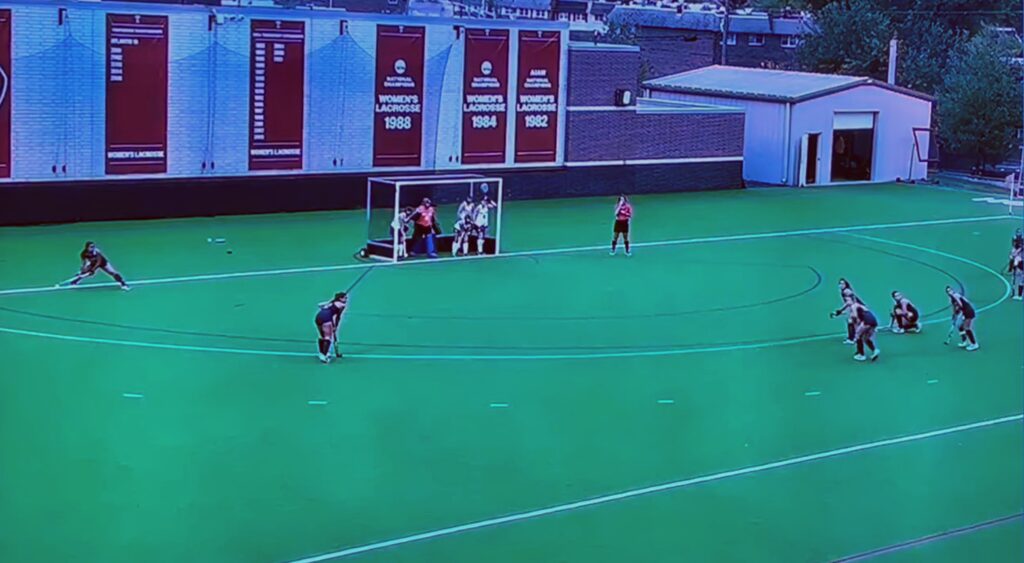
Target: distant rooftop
(762, 84)
(709, 18)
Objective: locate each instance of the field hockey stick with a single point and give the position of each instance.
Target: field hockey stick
(334, 341)
(949, 333)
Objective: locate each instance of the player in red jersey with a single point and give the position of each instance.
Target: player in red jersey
(623, 216)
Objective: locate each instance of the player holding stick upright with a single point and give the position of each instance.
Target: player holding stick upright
(906, 316)
(848, 297)
(965, 313)
(1016, 268)
(482, 219)
(623, 217)
(328, 319)
(464, 226)
(93, 259)
(400, 231)
(866, 325)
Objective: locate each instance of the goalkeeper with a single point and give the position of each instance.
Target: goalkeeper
(425, 228)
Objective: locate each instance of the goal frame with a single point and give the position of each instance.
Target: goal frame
(400, 182)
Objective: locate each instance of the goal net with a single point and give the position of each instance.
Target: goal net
(430, 216)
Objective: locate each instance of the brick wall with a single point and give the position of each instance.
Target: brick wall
(670, 51)
(629, 135)
(770, 55)
(597, 74)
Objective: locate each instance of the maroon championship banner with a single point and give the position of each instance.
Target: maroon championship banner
(398, 96)
(540, 55)
(5, 93)
(484, 103)
(136, 94)
(277, 75)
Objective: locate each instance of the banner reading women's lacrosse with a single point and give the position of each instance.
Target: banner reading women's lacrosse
(485, 96)
(277, 70)
(540, 56)
(5, 93)
(136, 139)
(398, 96)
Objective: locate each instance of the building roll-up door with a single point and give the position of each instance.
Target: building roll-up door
(853, 120)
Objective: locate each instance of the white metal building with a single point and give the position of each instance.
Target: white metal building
(803, 128)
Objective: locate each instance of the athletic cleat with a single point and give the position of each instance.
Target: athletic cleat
(612, 253)
(126, 288)
(972, 347)
(848, 341)
(628, 253)
(875, 355)
(916, 329)
(963, 344)
(860, 357)
(323, 358)
(898, 330)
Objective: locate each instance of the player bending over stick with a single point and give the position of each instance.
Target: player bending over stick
(464, 227)
(1016, 269)
(848, 297)
(328, 320)
(623, 217)
(93, 259)
(963, 319)
(905, 315)
(866, 325)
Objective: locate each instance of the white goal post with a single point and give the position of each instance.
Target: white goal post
(388, 196)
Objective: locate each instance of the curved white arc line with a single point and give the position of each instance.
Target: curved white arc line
(587, 356)
(550, 251)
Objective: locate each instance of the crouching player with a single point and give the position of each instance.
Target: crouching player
(328, 320)
(93, 259)
(464, 227)
(1016, 268)
(963, 319)
(905, 315)
(866, 325)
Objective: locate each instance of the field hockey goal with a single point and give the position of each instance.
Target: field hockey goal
(395, 215)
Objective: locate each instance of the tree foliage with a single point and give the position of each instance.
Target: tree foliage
(852, 38)
(979, 106)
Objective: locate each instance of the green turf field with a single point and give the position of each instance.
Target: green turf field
(691, 403)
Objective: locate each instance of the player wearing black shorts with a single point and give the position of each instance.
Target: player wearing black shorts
(866, 325)
(93, 259)
(623, 217)
(848, 297)
(1016, 269)
(963, 318)
(905, 314)
(328, 319)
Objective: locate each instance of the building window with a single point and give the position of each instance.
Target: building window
(790, 41)
(755, 40)
(730, 39)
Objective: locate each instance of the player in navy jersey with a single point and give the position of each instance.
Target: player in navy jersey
(848, 297)
(328, 319)
(1018, 239)
(963, 318)
(905, 314)
(93, 259)
(866, 325)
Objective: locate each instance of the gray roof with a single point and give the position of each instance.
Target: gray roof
(767, 85)
(754, 23)
(525, 4)
(658, 17)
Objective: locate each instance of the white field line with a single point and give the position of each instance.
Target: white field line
(568, 507)
(674, 242)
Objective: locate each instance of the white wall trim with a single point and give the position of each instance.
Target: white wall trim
(641, 162)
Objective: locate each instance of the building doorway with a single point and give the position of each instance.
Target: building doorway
(853, 147)
(810, 159)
